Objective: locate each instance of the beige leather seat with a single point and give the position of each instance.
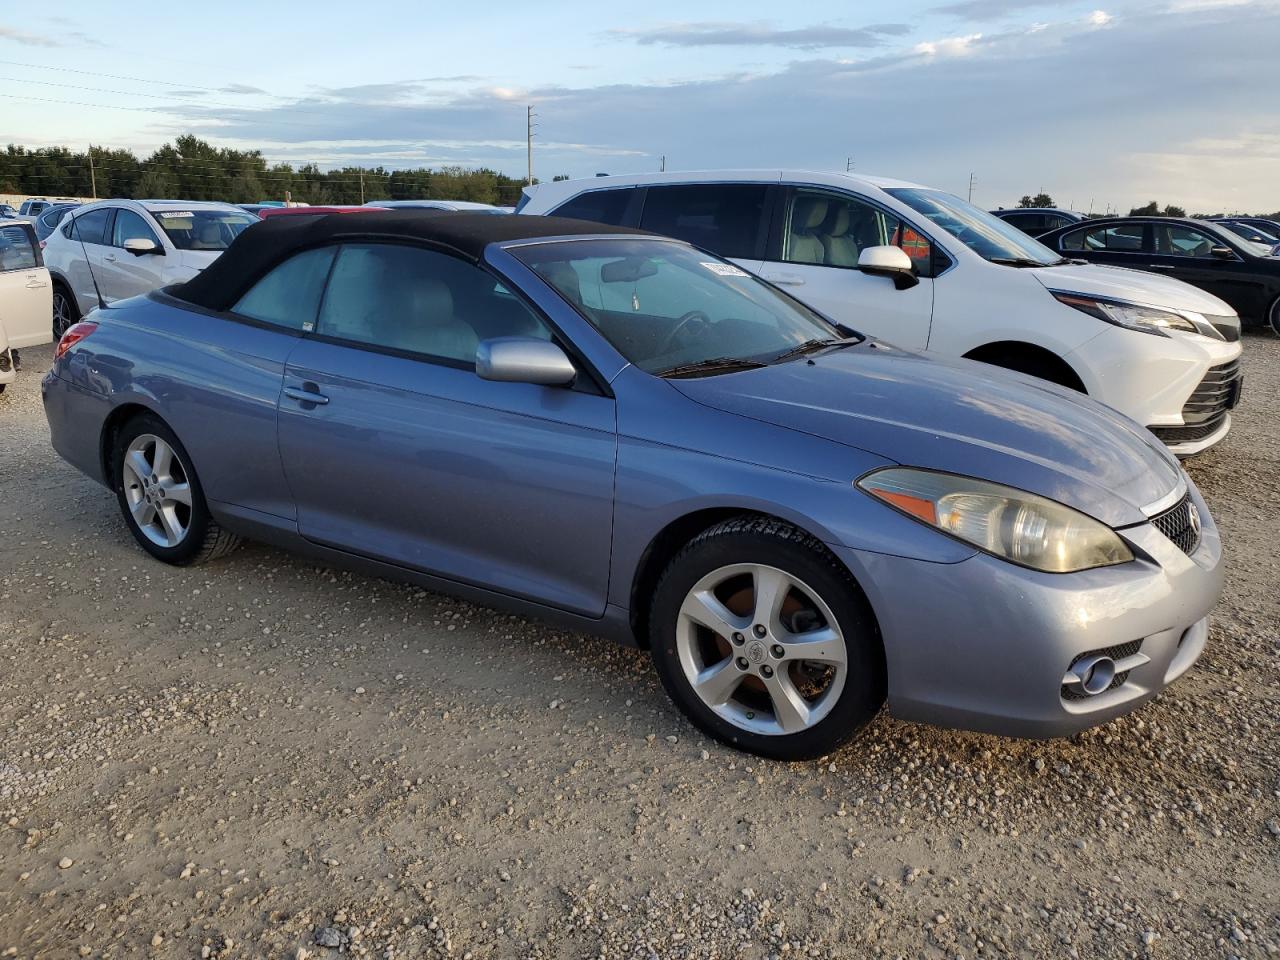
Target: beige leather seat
(417, 314)
(842, 249)
(807, 216)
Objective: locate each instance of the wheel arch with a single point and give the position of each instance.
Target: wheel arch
(111, 426)
(1006, 353)
(669, 540)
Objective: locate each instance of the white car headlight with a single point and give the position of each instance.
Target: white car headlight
(1020, 527)
(1131, 316)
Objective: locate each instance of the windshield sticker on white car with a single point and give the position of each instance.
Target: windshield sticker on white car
(725, 269)
(175, 214)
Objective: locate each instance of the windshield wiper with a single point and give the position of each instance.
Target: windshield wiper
(713, 365)
(1019, 262)
(810, 346)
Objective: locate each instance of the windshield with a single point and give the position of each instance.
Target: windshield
(1261, 248)
(989, 237)
(664, 305)
(202, 229)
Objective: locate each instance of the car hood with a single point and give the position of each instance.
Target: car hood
(1121, 283)
(197, 260)
(961, 417)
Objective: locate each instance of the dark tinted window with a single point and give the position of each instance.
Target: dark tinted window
(727, 219)
(130, 226)
(601, 206)
(1118, 238)
(17, 251)
(91, 227)
(289, 296)
(420, 301)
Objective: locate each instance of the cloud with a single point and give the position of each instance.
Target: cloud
(1100, 18)
(240, 88)
(28, 39)
(733, 34)
(970, 103)
(990, 9)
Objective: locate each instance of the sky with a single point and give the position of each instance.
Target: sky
(1104, 104)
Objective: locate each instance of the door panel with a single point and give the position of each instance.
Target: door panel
(506, 486)
(26, 295)
(1183, 252)
(815, 260)
(125, 274)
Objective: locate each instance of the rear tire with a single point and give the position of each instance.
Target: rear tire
(161, 498)
(1274, 317)
(764, 640)
(65, 310)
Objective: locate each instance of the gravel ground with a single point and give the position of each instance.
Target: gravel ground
(266, 758)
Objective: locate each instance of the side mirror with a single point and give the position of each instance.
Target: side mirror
(524, 360)
(140, 246)
(891, 262)
(1222, 253)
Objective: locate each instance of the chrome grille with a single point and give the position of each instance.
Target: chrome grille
(1181, 524)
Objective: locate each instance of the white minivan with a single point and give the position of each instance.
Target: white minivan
(114, 249)
(927, 271)
(24, 295)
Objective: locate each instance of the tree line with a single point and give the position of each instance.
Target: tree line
(191, 169)
(1152, 209)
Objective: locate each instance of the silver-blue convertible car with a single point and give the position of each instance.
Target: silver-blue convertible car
(627, 435)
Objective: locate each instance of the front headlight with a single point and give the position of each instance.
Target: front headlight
(1017, 526)
(1131, 316)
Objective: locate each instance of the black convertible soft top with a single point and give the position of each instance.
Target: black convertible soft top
(265, 244)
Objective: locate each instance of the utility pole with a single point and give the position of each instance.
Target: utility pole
(362, 186)
(971, 177)
(529, 141)
(662, 167)
(93, 176)
(848, 165)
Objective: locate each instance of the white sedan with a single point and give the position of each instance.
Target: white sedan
(115, 249)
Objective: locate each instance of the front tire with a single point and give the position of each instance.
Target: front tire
(161, 498)
(66, 312)
(765, 642)
(1274, 316)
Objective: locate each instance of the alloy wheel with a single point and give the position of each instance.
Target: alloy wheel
(761, 649)
(61, 314)
(157, 490)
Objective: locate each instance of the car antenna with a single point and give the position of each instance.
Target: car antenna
(75, 226)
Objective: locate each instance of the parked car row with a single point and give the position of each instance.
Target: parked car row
(631, 435)
(927, 271)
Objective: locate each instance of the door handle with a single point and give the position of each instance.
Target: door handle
(35, 283)
(304, 395)
(789, 280)
(110, 258)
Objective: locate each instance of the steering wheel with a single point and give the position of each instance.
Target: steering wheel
(683, 322)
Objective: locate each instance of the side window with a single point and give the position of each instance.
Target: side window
(17, 252)
(832, 230)
(727, 219)
(420, 301)
(289, 296)
(130, 226)
(1117, 238)
(1172, 240)
(91, 227)
(600, 206)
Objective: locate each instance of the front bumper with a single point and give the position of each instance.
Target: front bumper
(985, 645)
(1158, 382)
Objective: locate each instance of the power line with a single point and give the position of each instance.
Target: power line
(113, 76)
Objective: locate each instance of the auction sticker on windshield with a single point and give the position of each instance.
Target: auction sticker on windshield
(725, 269)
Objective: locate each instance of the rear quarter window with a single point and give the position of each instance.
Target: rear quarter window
(598, 206)
(726, 218)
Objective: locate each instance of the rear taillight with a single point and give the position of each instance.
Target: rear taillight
(75, 333)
